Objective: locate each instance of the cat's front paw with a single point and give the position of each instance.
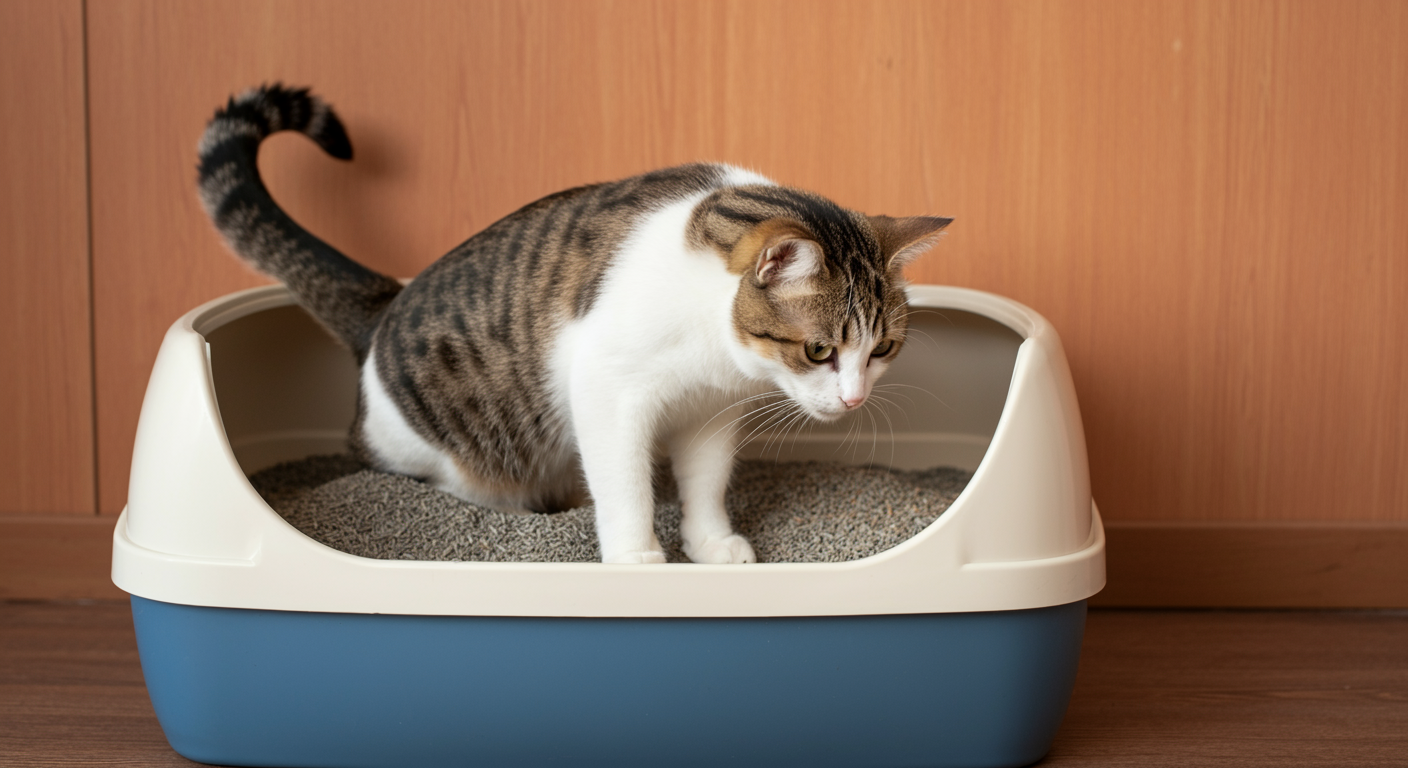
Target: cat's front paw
(729, 549)
(636, 556)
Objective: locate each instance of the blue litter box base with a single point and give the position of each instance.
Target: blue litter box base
(275, 688)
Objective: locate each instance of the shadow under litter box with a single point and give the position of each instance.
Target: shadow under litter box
(798, 512)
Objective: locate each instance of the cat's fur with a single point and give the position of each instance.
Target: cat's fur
(586, 332)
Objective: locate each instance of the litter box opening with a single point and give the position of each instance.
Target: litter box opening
(286, 390)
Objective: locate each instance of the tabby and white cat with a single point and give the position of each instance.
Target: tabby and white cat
(584, 333)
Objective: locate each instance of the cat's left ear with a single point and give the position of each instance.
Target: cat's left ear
(903, 240)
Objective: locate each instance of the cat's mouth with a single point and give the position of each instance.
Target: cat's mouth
(827, 416)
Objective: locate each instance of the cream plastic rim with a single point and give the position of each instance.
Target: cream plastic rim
(1024, 534)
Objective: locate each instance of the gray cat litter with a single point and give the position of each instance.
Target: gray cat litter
(796, 512)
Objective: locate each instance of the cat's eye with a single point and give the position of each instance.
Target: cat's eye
(818, 351)
(883, 348)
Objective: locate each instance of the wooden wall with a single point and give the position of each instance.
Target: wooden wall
(46, 351)
(1208, 199)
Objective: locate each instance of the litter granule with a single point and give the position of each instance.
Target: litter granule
(791, 512)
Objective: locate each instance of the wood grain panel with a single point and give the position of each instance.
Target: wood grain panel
(1207, 199)
(1238, 339)
(46, 379)
(47, 558)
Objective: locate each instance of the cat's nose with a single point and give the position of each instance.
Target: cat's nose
(853, 402)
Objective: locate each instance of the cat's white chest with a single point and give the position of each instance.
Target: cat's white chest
(661, 323)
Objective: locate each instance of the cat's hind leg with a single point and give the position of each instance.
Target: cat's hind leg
(392, 445)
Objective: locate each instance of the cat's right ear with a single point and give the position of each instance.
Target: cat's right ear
(790, 267)
(785, 260)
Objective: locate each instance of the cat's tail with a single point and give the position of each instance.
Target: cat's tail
(343, 295)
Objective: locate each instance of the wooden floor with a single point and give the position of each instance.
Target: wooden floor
(1156, 688)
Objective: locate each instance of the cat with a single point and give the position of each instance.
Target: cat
(560, 350)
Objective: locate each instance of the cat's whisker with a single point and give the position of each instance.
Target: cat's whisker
(776, 416)
(891, 426)
(930, 339)
(749, 414)
(781, 435)
(793, 430)
(930, 311)
(887, 405)
(859, 436)
(850, 427)
(806, 426)
(756, 412)
(874, 434)
(763, 428)
(853, 435)
(861, 429)
(753, 398)
(885, 412)
(892, 404)
(925, 391)
(760, 396)
(886, 388)
(772, 431)
(731, 406)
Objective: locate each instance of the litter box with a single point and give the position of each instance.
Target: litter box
(958, 647)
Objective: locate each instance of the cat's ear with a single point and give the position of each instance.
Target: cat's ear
(784, 258)
(904, 240)
(790, 265)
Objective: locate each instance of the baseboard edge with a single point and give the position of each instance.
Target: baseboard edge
(1256, 565)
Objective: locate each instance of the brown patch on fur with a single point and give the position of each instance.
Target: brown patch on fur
(745, 259)
(779, 327)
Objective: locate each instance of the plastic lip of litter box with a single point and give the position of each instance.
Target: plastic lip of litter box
(1024, 534)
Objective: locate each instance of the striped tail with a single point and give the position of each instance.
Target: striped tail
(343, 295)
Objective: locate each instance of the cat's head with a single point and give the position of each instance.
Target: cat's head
(821, 305)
